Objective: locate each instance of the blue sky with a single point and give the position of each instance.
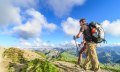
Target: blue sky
(33, 22)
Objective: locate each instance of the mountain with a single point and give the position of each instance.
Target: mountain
(18, 60)
(106, 54)
(109, 54)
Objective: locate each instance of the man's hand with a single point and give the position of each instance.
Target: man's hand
(79, 35)
(74, 37)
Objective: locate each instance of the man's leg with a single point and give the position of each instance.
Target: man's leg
(87, 60)
(86, 64)
(80, 54)
(79, 58)
(93, 57)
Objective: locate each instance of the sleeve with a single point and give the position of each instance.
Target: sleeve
(81, 29)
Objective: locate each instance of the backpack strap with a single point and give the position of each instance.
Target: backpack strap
(89, 26)
(104, 41)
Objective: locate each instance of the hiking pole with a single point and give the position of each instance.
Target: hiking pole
(77, 54)
(76, 46)
(76, 49)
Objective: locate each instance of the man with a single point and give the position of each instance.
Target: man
(83, 49)
(91, 50)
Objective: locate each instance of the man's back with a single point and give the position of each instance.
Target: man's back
(86, 32)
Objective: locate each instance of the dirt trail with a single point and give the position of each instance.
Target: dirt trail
(70, 67)
(3, 64)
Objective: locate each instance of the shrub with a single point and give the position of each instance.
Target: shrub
(14, 54)
(38, 65)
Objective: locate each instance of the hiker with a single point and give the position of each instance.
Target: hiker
(91, 50)
(83, 49)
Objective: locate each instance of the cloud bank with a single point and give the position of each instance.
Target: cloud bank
(22, 20)
(63, 7)
(112, 28)
(9, 14)
(19, 18)
(33, 27)
(70, 26)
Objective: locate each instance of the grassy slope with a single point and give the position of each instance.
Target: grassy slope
(26, 61)
(65, 56)
(111, 67)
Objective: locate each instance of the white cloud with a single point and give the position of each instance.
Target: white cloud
(11, 9)
(50, 26)
(112, 28)
(63, 7)
(67, 44)
(23, 44)
(39, 43)
(25, 3)
(33, 27)
(36, 43)
(109, 44)
(71, 26)
(12, 15)
(9, 14)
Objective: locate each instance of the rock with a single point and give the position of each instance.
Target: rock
(70, 67)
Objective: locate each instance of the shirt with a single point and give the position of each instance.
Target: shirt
(86, 32)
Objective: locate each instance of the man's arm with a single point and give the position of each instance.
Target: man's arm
(79, 34)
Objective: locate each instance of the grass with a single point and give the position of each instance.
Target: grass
(65, 56)
(41, 54)
(38, 65)
(111, 67)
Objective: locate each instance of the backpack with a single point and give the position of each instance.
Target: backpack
(97, 32)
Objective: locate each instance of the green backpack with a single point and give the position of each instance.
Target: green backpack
(99, 35)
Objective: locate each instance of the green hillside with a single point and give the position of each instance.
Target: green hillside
(65, 56)
(17, 60)
(26, 61)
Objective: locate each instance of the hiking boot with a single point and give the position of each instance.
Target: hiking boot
(80, 65)
(85, 68)
(96, 70)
